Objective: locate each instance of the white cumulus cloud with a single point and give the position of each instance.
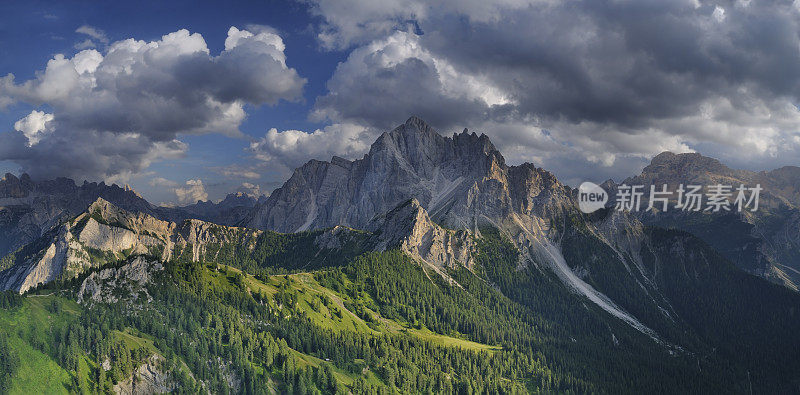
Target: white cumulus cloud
(34, 125)
(294, 147)
(191, 192)
(116, 111)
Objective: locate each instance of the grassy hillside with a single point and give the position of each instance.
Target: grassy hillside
(334, 310)
(275, 316)
(28, 330)
(252, 327)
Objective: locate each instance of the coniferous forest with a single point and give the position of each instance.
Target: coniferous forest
(378, 322)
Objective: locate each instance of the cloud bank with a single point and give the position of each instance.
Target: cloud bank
(292, 148)
(111, 114)
(575, 85)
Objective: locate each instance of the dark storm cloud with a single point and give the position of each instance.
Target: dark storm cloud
(607, 79)
(409, 87)
(628, 62)
(108, 153)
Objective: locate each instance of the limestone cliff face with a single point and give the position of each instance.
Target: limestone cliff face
(462, 181)
(106, 233)
(104, 285)
(45, 266)
(409, 228)
(30, 209)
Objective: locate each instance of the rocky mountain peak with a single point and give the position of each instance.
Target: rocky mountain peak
(481, 143)
(414, 143)
(461, 181)
(106, 210)
(11, 186)
(129, 189)
(414, 129)
(341, 162)
(420, 147)
(667, 165)
(101, 205)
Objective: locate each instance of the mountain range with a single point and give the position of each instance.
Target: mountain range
(765, 242)
(432, 240)
(28, 209)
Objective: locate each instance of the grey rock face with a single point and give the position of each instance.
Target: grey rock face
(148, 378)
(29, 209)
(106, 234)
(765, 243)
(462, 181)
(105, 285)
(409, 228)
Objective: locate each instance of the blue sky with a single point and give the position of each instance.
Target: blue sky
(589, 90)
(32, 32)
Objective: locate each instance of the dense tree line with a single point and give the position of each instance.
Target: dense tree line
(10, 300)
(200, 320)
(9, 362)
(217, 334)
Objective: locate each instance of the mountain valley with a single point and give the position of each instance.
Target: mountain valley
(427, 266)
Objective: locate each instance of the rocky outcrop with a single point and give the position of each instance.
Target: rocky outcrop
(45, 265)
(106, 285)
(147, 379)
(30, 209)
(340, 236)
(106, 234)
(409, 228)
